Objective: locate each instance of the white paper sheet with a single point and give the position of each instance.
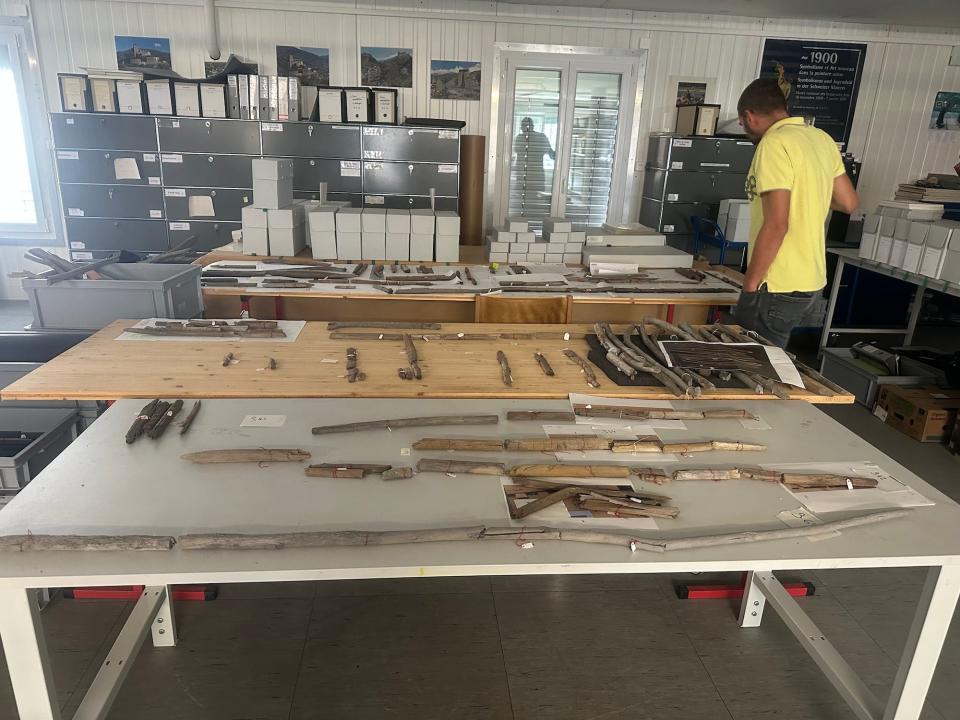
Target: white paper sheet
(558, 516)
(291, 327)
(200, 206)
(602, 268)
(784, 366)
(889, 493)
(126, 168)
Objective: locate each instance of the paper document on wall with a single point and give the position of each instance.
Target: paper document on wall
(200, 206)
(126, 168)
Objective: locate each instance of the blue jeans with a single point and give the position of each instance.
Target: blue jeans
(773, 315)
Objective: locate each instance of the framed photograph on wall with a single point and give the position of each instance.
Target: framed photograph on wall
(946, 111)
(683, 90)
(310, 65)
(142, 53)
(386, 67)
(454, 80)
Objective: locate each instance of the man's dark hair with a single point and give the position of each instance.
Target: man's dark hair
(762, 96)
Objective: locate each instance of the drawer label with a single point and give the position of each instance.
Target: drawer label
(372, 154)
(77, 245)
(668, 228)
(175, 192)
(74, 212)
(179, 226)
(153, 180)
(703, 164)
(682, 142)
(373, 199)
(171, 158)
(68, 155)
(372, 131)
(672, 196)
(149, 157)
(69, 121)
(349, 168)
(373, 166)
(448, 135)
(340, 127)
(156, 213)
(274, 421)
(447, 168)
(271, 127)
(174, 123)
(676, 166)
(82, 255)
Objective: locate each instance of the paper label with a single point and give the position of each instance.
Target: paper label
(448, 135)
(149, 157)
(372, 131)
(77, 245)
(68, 155)
(175, 192)
(171, 158)
(69, 121)
(272, 127)
(682, 142)
(801, 517)
(880, 412)
(264, 421)
(156, 213)
(672, 196)
(200, 206)
(703, 164)
(175, 123)
(676, 166)
(82, 256)
(179, 226)
(372, 154)
(153, 180)
(374, 166)
(668, 228)
(74, 212)
(447, 168)
(340, 127)
(373, 199)
(349, 168)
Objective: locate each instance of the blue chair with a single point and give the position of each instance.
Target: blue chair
(708, 232)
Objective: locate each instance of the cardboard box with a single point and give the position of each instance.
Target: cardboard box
(915, 242)
(556, 224)
(499, 247)
(448, 247)
(373, 245)
(517, 224)
(323, 245)
(534, 257)
(348, 221)
(899, 247)
(501, 234)
(398, 244)
(322, 219)
(422, 222)
(255, 241)
(498, 257)
(924, 413)
(272, 194)
(556, 237)
(578, 236)
(935, 249)
(421, 245)
(373, 220)
(888, 226)
(348, 245)
(253, 217)
(288, 241)
(213, 100)
(571, 257)
(526, 237)
(553, 257)
(398, 221)
(271, 169)
(555, 247)
(285, 218)
(187, 99)
(517, 257)
(448, 222)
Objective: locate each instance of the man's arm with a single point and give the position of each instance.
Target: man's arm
(776, 212)
(845, 198)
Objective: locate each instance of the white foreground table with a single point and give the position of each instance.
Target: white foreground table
(100, 485)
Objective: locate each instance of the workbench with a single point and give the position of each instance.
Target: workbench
(104, 368)
(851, 257)
(367, 303)
(104, 486)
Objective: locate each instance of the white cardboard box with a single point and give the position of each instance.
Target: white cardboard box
(323, 245)
(422, 222)
(644, 257)
(348, 245)
(288, 217)
(501, 234)
(888, 226)
(253, 217)
(572, 247)
(500, 247)
(868, 240)
(398, 221)
(448, 223)
(553, 257)
(322, 219)
(950, 266)
(519, 247)
(374, 220)
(255, 241)
(556, 237)
(498, 257)
(899, 247)
(935, 250)
(517, 224)
(596, 237)
(527, 237)
(555, 247)
(448, 247)
(287, 241)
(373, 245)
(398, 244)
(578, 236)
(573, 257)
(915, 241)
(421, 244)
(556, 224)
(272, 169)
(517, 257)
(272, 194)
(535, 257)
(348, 221)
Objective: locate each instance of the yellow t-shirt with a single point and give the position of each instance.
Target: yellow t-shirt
(804, 160)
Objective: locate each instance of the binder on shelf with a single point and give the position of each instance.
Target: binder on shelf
(103, 92)
(130, 97)
(213, 100)
(308, 102)
(186, 96)
(384, 106)
(356, 104)
(283, 99)
(272, 99)
(74, 92)
(254, 82)
(293, 98)
(263, 99)
(160, 97)
(331, 106)
(243, 88)
(697, 120)
(233, 95)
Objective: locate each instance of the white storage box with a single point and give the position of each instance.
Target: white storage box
(526, 237)
(517, 257)
(935, 249)
(888, 226)
(517, 224)
(272, 169)
(288, 241)
(447, 247)
(398, 244)
(253, 217)
(498, 257)
(373, 220)
(323, 245)
(398, 221)
(348, 245)
(255, 241)
(421, 244)
(348, 221)
(644, 257)
(519, 247)
(553, 257)
(915, 241)
(577, 236)
(373, 245)
(322, 219)
(272, 194)
(598, 238)
(422, 222)
(448, 223)
(899, 247)
(572, 257)
(535, 257)
(285, 218)
(950, 269)
(556, 224)
(556, 237)
(868, 241)
(501, 234)
(500, 247)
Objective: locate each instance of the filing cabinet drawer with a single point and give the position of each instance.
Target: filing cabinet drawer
(683, 186)
(190, 204)
(101, 234)
(700, 153)
(409, 202)
(311, 139)
(112, 201)
(403, 178)
(340, 175)
(209, 235)
(355, 199)
(673, 218)
(113, 132)
(106, 167)
(214, 171)
(203, 135)
(405, 143)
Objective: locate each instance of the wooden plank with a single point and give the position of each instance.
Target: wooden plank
(103, 368)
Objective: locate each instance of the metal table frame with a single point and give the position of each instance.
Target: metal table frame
(848, 256)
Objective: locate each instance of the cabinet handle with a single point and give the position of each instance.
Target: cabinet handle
(313, 163)
(309, 130)
(210, 158)
(208, 123)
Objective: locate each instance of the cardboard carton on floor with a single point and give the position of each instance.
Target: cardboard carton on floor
(926, 414)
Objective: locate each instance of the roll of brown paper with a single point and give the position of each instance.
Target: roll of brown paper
(471, 188)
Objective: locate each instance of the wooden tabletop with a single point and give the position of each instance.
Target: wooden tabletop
(104, 368)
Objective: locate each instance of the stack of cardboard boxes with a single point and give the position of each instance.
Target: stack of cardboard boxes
(906, 238)
(274, 224)
(513, 242)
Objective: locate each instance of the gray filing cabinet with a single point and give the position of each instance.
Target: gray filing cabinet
(209, 234)
(103, 132)
(112, 201)
(195, 203)
(103, 166)
(311, 139)
(201, 170)
(98, 237)
(700, 153)
(203, 135)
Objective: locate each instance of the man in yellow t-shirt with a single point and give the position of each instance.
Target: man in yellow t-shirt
(796, 177)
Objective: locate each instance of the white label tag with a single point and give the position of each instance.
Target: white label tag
(171, 158)
(77, 245)
(69, 121)
(682, 142)
(68, 155)
(156, 213)
(448, 135)
(179, 226)
(340, 127)
(271, 127)
(703, 164)
(372, 154)
(373, 199)
(175, 123)
(801, 517)
(349, 168)
(152, 180)
(82, 256)
(74, 212)
(149, 157)
(676, 166)
(672, 196)
(881, 413)
(668, 228)
(175, 192)
(264, 421)
(374, 166)
(447, 168)
(372, 131)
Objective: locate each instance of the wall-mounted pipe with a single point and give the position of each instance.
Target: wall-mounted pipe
(213, 34)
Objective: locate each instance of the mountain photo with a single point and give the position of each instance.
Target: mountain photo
(454, 80)
(310, 65)
(386, 67)
(142, 53)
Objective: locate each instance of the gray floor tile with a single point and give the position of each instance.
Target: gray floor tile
(403, 586)
(274, 590)
(573, 583)
(403, 655)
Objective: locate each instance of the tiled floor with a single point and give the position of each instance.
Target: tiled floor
(530, 648)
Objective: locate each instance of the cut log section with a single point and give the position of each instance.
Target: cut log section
(398, 423)
(456, 467)
(247, 455)
(544, 364)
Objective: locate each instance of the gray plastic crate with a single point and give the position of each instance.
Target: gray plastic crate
(861, 378)
(55, 428)
(150, 290)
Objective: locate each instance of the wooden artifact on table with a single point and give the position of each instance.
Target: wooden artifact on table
(161, 425)
(629, 359)
(397, 423)
(469, 275)
(228, 359)
(271, 364)
(544, 364)
(384, 324)
(650, 475)
(546, 416)
(238, 329)
(413, 371)
(353, 371)
(397, 473)
(191, 416)
(455, 467)
(798, 481)
(505, 373)
(569, 470)
(587, 371)
(645, 413)
(140, 422)
(680, 448)
(609, 500)
(345, 470)
(247, 455)
(646, 444)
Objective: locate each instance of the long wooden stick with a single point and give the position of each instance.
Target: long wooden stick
(649, 413)
(466, 467)
(344, 470)
(505, 373)
(800, 481)
(569, 470)
(84, 543)
(588, 373)
(544, 502)
(384, 324)
(397, 423)
(247, 455)
(461, 444)
(552, 444)
(191, 416)
(546, 416)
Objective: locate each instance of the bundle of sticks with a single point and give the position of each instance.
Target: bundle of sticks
(156, 416)
(211, 328)
(797, 481)
(604, 500)
(645, 444)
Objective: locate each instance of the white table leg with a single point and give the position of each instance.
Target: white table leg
(751, 607)
(922, 651)
(164, 627)
(27, 658)
(831, 305)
